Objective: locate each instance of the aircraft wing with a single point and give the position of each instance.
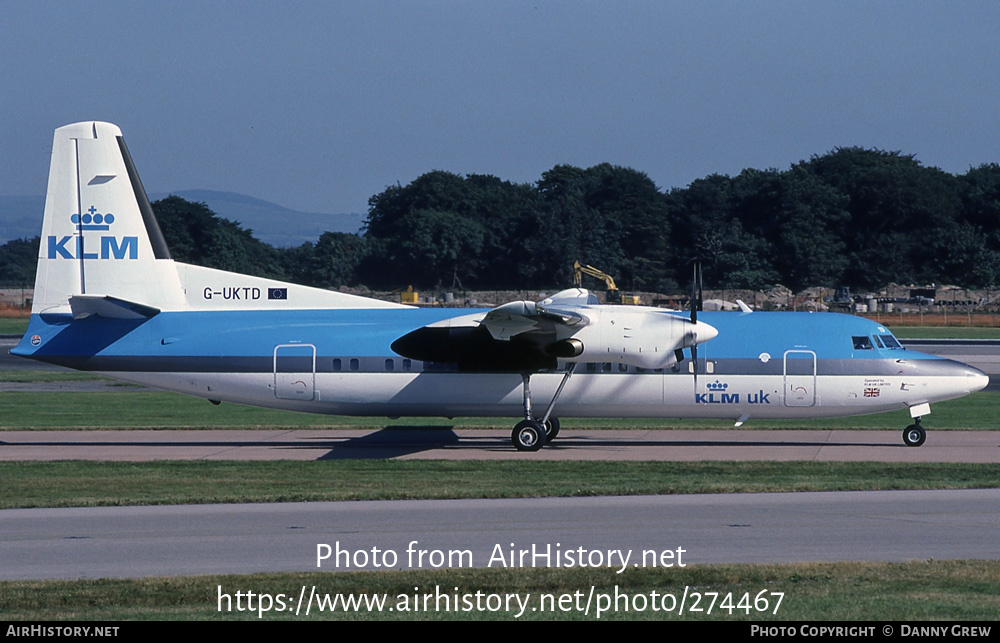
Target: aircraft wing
(519, 317)
(525, 336)
(515, 337)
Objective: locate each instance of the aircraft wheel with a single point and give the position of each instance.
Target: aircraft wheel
(914, 435)
(551, 429)
(528, 435)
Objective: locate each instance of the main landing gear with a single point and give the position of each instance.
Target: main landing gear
(530, 434)
(914, 435)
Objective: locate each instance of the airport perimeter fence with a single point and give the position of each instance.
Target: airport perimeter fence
(14, 298)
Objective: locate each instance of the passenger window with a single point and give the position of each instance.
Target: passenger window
(407, 365)
(863, 344)
(623, 368)
(336, 364)
(389, 365)
(355, 364)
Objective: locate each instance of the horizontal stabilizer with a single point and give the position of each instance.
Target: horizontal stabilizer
(109, 307)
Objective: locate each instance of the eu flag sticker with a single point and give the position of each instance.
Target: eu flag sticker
(277, 293)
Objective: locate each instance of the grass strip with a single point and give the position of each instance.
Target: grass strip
(13, 325)
(944, 332)
(913, 591)
(86, 483)
(49, 376)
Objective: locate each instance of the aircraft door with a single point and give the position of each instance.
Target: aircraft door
(295, 372)
(800, 378)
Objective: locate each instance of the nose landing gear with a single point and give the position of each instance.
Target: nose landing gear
(914, 435)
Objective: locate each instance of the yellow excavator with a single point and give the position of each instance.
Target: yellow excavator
(614, 295)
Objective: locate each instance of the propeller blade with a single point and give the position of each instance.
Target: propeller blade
(697, 293)
(694, 304)
(694, 360)
(696, 299)
(701, 293)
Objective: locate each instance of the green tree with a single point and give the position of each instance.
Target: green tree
(803, 221)
(631, 205)
(959, 254)
(198, 236)
(331, 262)
(18, 259)
(896, 206)
(710, 232)
(570, 230)
(438, 248)
(443, 229)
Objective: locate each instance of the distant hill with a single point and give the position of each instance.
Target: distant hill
(21, 216)
(271, 223)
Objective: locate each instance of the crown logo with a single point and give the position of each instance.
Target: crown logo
(93, 220)
(717, 386)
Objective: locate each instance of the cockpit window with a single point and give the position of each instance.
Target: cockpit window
(878, 342)
(891, 342)
(863, 343)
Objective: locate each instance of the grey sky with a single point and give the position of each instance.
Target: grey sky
(318, 105)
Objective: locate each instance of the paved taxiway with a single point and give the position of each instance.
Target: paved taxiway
(722, 528)
(445, 443)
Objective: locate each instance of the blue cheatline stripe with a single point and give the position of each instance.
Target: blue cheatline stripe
(198, 338)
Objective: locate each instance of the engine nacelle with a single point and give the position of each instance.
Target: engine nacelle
(565, 348)
(525, 337)
(647, 338)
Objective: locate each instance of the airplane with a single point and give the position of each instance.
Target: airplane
(108, 298)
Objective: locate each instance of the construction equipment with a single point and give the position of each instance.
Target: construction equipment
(614, 295)
(409, 296)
